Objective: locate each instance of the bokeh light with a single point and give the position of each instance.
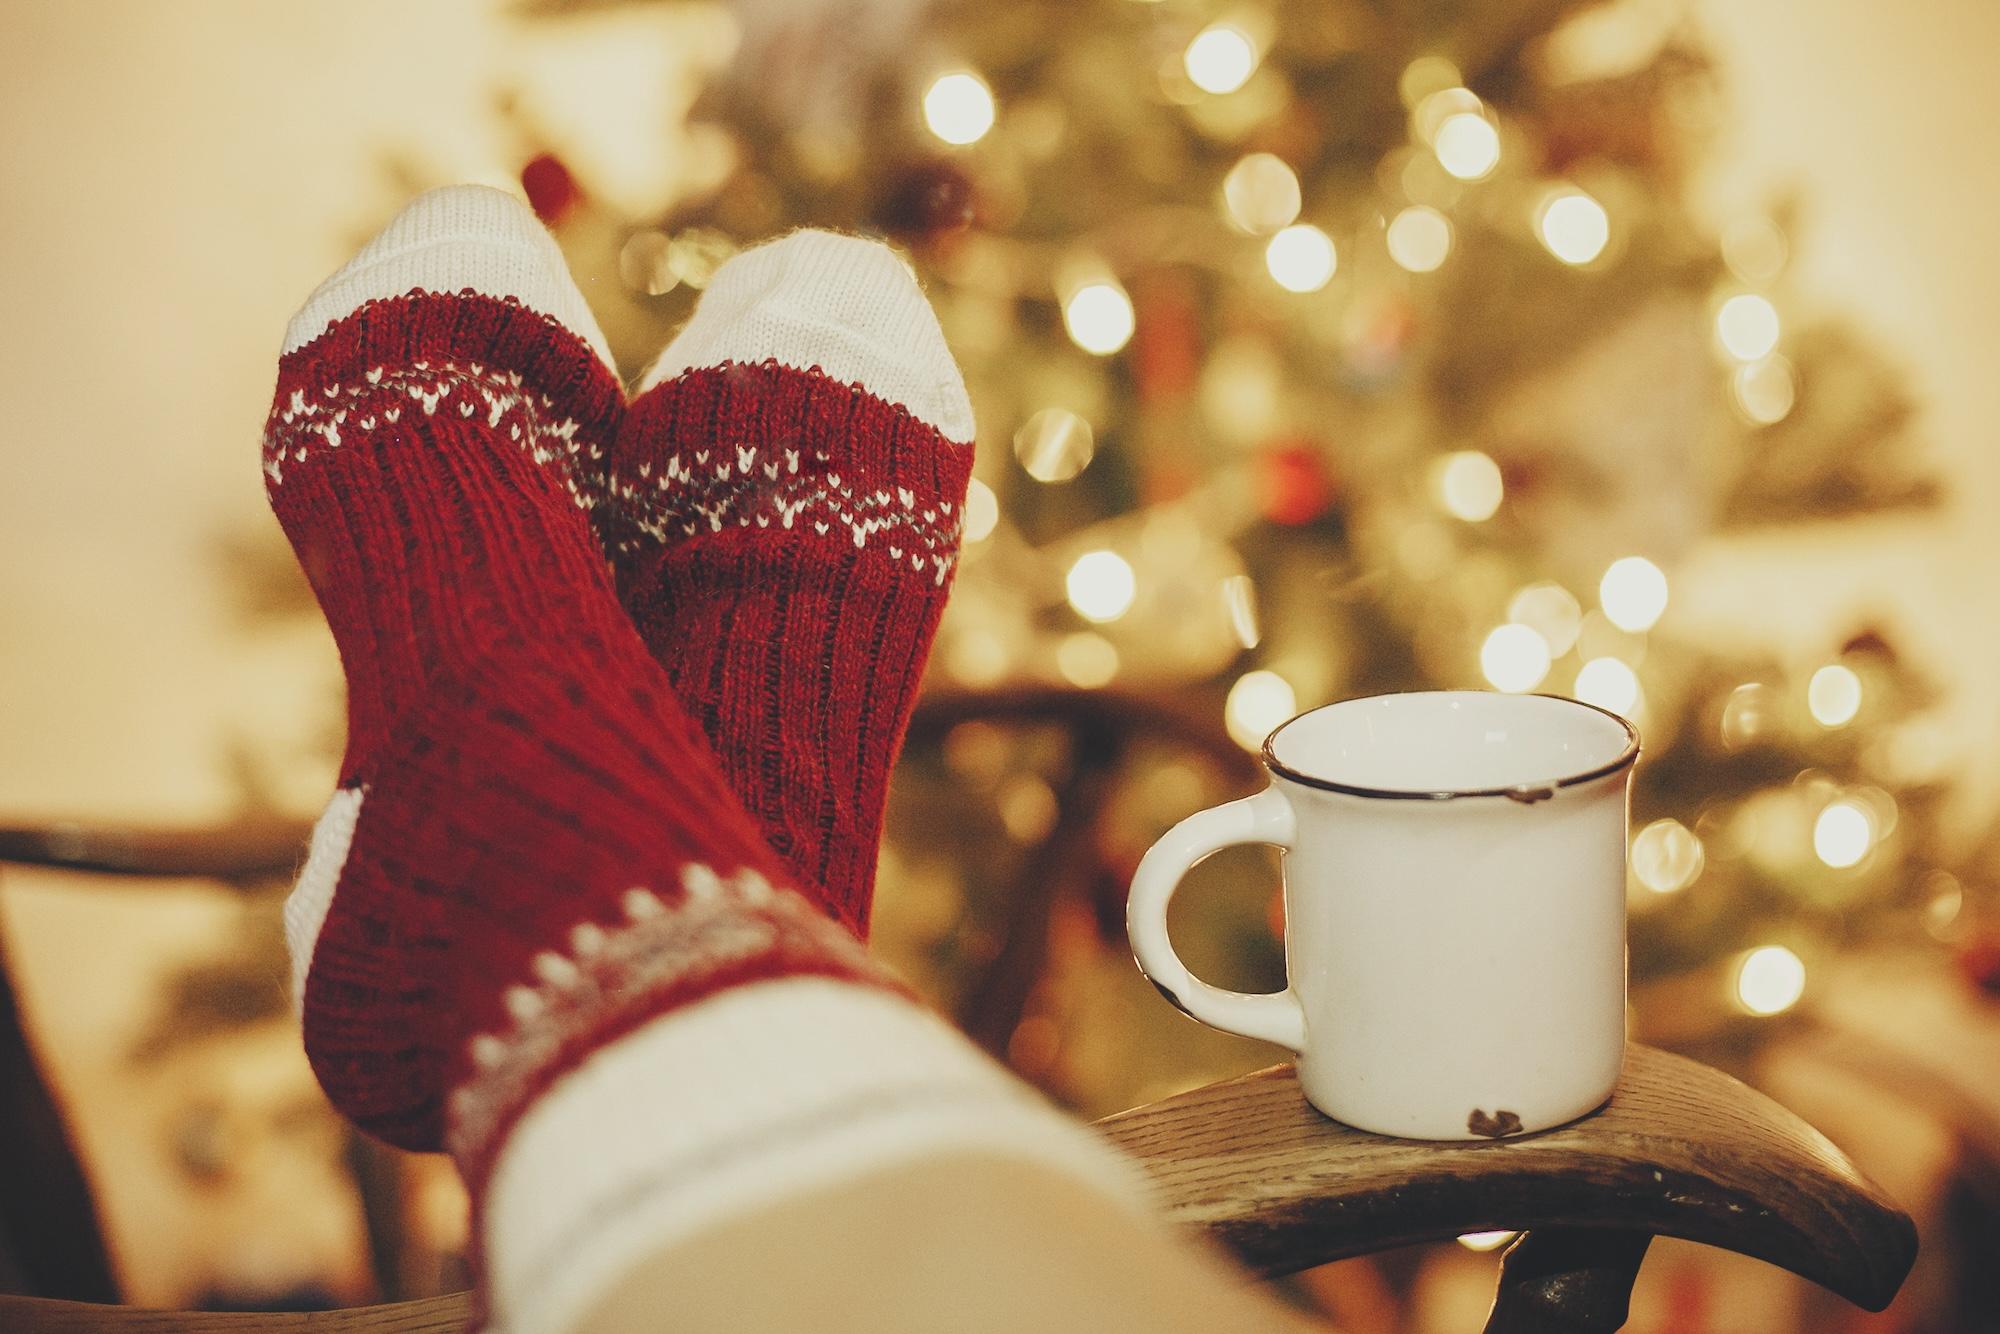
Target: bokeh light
(1101, 585)
(1765, 390)
(1467, 146)
(1301, 258)
(1552, 610)
(1426, 75)
(1257, 703)
(1633, 593)
(1087, 660)
(982, 511)
(1754, 249)
(1468, 485)
(1843, 833)
(1834, 695)
(1770, 980)
(1221, 58)
(1748, 713)
(1609, 684)
(1747, 327)
(1239, 595)
(1514, 658)
(1433, 111)
(1574, 227)
(1419, 238)
(1261, 194)
(1099, 318)
(958, 107)
(1667, 857)
(1054, 445)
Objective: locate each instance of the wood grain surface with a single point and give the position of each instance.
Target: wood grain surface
(1681, 1150)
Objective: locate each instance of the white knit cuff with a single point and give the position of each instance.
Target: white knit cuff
(448, 240)
(841, 305)
(750, 1097)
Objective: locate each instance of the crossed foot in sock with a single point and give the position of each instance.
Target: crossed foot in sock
(551, 826)
(584, 908)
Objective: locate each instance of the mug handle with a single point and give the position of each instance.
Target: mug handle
(1264, 818)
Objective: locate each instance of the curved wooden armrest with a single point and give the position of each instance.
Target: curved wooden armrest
(1681, 1150)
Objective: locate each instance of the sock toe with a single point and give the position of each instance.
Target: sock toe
(842, 305)
(447, 241)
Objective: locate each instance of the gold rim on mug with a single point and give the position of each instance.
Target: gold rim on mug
(1524, 792)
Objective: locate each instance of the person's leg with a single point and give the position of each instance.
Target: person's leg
(972, 1243)
(784, 507)
(535, 926)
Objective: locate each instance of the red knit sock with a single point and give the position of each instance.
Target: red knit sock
(532, 849)
(785, 509)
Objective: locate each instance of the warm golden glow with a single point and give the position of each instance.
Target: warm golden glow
(1946, 902)
(1552, 611)
(1240, 596)
(1574, 227)
(1099, 317)
(1514, 658)
(978, 657)
(1257, 703)
(1609, 684)
(982, 511)
(1633, 593)
(958, 107)
(1754, 249)
(1747, 327)
(1054, 445)
(1770, 980)
(642, 263)
(1300, 258)
(1765, 390)
(1834, 695)
(1747, 714)
(1221, 58)
(1426, 75)
(1467, 146)
(1419, 238)
(1667, 856)
(1261, 194)
(1086, 660)
(1431, 113)
(1468, 485)
(1028, 808)
(1101, 585)
(1843, 833)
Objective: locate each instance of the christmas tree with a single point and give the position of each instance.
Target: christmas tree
(1320, 350)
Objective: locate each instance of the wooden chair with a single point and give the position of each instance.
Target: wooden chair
(1681, 1150)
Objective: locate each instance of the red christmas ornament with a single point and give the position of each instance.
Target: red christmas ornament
(552, 191)
(1293, 484)
(1979, 962)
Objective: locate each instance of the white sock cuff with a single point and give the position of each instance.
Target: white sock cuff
(747, 1098)
(445, 241)
(841, 305)
(307, 905)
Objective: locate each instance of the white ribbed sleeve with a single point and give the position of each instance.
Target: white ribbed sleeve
(734, 1103)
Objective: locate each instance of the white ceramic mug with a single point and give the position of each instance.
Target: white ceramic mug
(1454, 908)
